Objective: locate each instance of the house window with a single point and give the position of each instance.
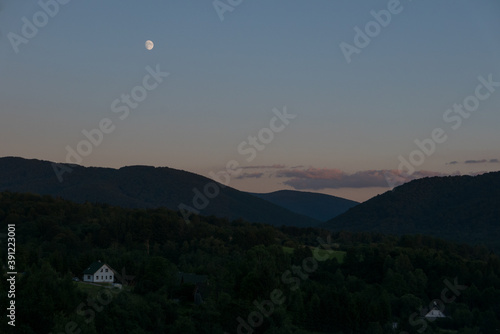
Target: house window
(101, 270)
(88, 276)
(106, 270)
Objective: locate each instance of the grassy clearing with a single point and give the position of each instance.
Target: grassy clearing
(91, 289)
(336, 254)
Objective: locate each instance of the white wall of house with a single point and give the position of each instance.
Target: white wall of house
(103, 274)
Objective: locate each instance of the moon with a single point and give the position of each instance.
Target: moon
(149, 45)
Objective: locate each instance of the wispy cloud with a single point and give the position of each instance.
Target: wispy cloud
(482, 161)
(250, 176)
(275, 166)
(475, 161)
(310, 178)
(317, 179)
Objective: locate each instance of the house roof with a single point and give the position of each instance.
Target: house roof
(94, 267)
(435, 314)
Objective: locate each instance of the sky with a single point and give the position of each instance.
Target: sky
(348, 98)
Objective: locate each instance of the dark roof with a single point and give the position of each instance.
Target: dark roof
(95, 266)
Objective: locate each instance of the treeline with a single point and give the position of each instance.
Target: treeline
(456, 208)
(379, 284)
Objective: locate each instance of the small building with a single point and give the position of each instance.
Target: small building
(434, 313)
(98, 272)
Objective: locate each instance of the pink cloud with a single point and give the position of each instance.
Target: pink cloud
(275, 166)
(250, 176)
(317, 179)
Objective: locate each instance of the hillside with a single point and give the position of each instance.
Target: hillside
(141, 187)
(318, 206)
(463, 208)
(379, 280)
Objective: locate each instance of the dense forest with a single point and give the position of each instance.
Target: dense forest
(144, 187)
(260, 278)
(457, 208)
(321, 207)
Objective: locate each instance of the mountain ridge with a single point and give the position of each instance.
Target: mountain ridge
(458, 208)
(140, 187)
(321, 207)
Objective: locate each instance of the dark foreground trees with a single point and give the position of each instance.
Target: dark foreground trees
(256, 279)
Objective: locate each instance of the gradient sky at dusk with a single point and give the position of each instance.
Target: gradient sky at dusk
(226, 77)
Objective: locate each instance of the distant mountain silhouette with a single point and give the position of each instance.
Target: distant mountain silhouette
(462, 208)
(141, 187)
(318, 206)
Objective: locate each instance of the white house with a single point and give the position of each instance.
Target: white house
(98, 272)
(435, 313)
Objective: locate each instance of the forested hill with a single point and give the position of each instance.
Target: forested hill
(464, 208)
(318, 206)
(143, 187)
(343, 283)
